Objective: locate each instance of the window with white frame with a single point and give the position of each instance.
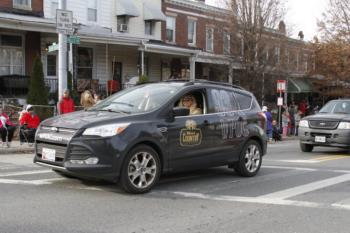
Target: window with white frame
(170, 29)
(191, 31)
(287, 57)
(51, 65)
(85, 63)
(92, 10)
(210, 39)
(11, 55)
(227, 42)
(149, 27)
(54, 7)
(22, 4)
(277, 55)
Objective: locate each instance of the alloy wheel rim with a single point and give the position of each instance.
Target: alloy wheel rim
(252, 158)
(142, 170)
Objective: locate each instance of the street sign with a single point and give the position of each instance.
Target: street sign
(74, 40)
(280, 101)
(64, 22)
(53, 47)
(281, 85)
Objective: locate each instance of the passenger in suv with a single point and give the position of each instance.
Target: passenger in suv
(140, 133)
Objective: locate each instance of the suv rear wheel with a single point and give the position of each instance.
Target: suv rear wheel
(250, 159)
(306, 147)
(141, 170)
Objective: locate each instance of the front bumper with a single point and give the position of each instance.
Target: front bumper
(334, 138)
(79, 149)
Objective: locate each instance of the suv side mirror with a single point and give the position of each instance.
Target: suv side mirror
(180, 111)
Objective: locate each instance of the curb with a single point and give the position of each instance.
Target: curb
(16, 151)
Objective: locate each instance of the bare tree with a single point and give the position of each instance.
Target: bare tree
(335, 23)
(258, 29)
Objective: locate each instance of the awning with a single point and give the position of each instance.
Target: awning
(152, 12)
(300, 85)
(127, 8)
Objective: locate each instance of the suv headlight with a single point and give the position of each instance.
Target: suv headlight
(344, 125)
(304, 123)
(106, 130)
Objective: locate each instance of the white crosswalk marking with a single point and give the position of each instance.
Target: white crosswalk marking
(287, 193)
(31, 182)
(25, 173)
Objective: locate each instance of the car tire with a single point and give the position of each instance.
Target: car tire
(250, 159)
(141, 170)
(306, 147)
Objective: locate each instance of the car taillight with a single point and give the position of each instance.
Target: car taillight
(263, 120)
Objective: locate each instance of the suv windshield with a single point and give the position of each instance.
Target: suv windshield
(138, 99)
(342, 107)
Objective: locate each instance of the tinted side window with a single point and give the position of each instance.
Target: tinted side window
(222, 101)
(243, 100)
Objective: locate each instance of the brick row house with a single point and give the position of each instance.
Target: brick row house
(122, 39)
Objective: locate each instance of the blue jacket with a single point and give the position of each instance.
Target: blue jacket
(268, 121)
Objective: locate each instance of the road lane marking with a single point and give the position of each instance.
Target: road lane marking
(245, 199)
(287, 193)
(256, 200)
(292, 168)
(31, 182)
(25, 173)
(329, 158)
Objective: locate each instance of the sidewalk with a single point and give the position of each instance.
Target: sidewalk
(16, 148)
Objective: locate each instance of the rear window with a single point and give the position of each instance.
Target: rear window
(244, 100)
(222, 101)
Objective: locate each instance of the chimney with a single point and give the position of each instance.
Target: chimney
(282, 27)
(201, 1)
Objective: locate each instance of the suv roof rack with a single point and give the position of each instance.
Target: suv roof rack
(191, 82)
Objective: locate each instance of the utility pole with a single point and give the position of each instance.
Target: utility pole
(62, 56)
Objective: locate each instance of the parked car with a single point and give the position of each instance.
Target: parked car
(329, 127)
(144, 131)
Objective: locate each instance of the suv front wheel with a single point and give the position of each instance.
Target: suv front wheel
(250, 159)
(141, 170)
(306, 147)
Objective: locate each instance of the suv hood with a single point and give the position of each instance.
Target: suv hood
(77, 120)
(329, 117)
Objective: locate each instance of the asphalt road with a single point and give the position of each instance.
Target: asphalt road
(294, 192)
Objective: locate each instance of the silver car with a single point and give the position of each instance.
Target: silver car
(329, 127)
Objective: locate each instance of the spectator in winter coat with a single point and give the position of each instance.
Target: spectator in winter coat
(66, 105)
(29, 122)
(7, 128)
(268, 122)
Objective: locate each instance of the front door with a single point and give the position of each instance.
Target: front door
(189, 137)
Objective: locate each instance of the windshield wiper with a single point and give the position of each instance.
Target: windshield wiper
(123, 103)
(115, 111)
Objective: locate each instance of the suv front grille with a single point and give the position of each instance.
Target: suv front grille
(319, 124)
(60, 152)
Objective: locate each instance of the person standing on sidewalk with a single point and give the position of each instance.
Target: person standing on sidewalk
(268, 122)
(285, 122)
(66, 104)
(7, 128)
(87, 99)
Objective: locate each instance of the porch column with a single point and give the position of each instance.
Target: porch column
(230, 73)
(107, 78)
(62, 57)
(142, 62)
(192, 60)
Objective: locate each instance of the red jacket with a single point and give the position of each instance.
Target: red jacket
(66, 105)
(8, 122)
(31, 121)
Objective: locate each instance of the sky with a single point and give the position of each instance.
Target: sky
(301, 15)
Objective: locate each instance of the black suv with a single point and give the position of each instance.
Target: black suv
(140, 133)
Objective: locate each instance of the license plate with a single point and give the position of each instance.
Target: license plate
(320, 139)
(48, 154)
